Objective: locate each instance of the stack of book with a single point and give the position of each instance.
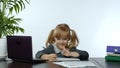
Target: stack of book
(113, 53)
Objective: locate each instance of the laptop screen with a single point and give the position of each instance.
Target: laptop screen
(19, 47)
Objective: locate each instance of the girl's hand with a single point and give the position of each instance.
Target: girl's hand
(66, 52)
(74, 54)
(50, 57)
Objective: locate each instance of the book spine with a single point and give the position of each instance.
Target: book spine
(112, 54)
(112, 58)
(114, 49)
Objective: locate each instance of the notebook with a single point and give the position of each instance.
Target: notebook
(19, 48)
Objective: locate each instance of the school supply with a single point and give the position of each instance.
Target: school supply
(113, 53)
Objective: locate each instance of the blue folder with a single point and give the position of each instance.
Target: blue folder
(113, 49)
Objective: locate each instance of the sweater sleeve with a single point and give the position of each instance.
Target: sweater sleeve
(83, 54)
(47, 50)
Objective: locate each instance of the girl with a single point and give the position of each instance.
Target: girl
(62, 42)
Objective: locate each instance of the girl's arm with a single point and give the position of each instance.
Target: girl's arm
(50, 57)
(82, 55)
(47, 50)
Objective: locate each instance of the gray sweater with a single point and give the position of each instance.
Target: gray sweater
(52, 49)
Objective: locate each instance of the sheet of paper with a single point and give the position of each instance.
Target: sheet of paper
(67, 59)
(75, 64)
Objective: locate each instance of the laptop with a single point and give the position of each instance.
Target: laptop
(19, 48)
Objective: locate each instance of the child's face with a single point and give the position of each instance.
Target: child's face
(61, 43)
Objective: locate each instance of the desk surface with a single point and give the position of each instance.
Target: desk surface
(100, 62)
(104, 64)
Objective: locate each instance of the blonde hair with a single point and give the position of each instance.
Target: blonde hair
(63, 30)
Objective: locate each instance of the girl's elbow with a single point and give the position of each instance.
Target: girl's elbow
(84, 56)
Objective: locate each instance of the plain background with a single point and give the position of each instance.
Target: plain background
(96, 22)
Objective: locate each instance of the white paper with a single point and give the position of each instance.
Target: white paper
(67, 59)
(75, 64)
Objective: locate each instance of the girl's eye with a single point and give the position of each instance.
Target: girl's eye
(64, 39)
(58, 39)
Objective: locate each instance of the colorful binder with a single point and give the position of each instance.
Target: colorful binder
(113, 49)
(112, 58)
(113, 53)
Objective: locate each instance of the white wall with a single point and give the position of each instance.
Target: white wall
(95, 21)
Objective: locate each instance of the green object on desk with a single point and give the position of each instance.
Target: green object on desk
(112, 58)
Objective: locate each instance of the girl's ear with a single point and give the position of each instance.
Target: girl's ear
(71, 32)
(69, 42)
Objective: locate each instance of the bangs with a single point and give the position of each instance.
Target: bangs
(61, 34)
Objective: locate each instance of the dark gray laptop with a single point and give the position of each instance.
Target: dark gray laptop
(19, 48)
